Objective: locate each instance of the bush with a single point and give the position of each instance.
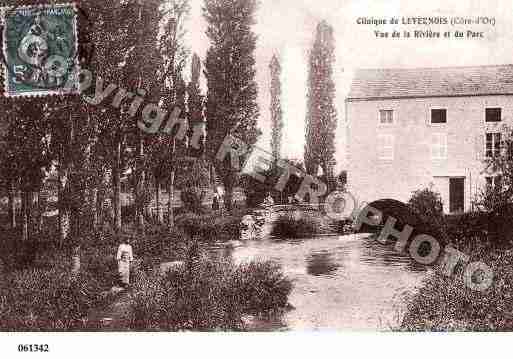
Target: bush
(192, 180)
(46, 300)
(192, 199)
(204, 295)
(428, 205)
(467, 228)
(256, 191)
(262, 286)
(491, 228)
(445, 304)
(302, 225)
(210, 228)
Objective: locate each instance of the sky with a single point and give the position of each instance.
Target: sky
(287, 28)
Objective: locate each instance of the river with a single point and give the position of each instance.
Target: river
(346, 282)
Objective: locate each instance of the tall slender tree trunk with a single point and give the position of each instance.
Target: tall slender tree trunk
(93, 208)
(39, 220)
(64, 215)
(171, 194)
(116, 198)
(76, 230)
(106, 180)
(11, 195)
(213, 177)
(140, 218)
(116, 189)
(171, 189)
(64, 224)
(141, 183)
(100, 199)
(25, 214)
(160, 214)
(228, 196)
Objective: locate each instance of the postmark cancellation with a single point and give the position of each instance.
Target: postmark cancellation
(40, 46)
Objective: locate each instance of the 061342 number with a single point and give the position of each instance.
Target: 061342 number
(33, 348)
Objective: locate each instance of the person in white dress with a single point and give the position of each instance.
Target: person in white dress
(247, 228)
(124, 257)
(268, 202)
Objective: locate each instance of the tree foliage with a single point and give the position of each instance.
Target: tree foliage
(500, 166)
(321, 118)
(428, 205)
(232, 88)
(276, 111)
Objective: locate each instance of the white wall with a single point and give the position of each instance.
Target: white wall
(412, 168)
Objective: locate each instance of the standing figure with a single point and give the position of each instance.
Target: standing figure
(247, 228)
(268, 202)
(215, 202)
(124, 257)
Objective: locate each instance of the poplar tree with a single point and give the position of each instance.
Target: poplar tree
(196, 107)
(321, 117)
(232, 89)
(276, 111)
(125, 35)
(165, 148)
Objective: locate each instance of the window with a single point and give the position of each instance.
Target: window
(439, 116)
(386, 117)
(494, 181)
(493, 115)
(386, 147)
(439, 146)
(493, 144)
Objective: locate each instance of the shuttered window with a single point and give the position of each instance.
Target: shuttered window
(386, 144)
(439, 146)
(386, 117)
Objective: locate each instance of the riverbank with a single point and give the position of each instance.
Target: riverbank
(446, 304)
(42, 289)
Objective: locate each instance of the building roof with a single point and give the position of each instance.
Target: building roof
(376, 84)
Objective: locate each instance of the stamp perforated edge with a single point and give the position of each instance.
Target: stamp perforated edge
(37, 94)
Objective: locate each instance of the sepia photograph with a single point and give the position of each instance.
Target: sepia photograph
(255, 166)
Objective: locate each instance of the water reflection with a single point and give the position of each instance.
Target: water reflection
(321, 263)
(379, 254)
(340, 283)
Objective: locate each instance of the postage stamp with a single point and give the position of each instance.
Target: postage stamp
(40, 49)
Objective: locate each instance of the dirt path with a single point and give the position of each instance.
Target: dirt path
(115, 316)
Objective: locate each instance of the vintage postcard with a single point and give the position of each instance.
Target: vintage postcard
(245, 166)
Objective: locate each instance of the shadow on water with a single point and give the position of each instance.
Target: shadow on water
(385, 255)
(321, 263)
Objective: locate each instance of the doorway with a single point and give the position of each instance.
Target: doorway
(457, 195)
